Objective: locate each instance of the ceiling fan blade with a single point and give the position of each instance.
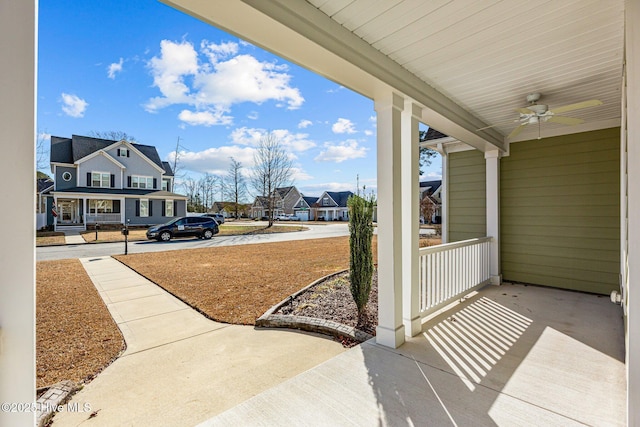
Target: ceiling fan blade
(525, 111)
(517, 130)
(577, 106)
(571, 121)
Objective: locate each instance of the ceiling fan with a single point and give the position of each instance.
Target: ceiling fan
(536, 113)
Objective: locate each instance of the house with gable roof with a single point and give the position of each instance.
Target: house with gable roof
(305, 208)
(100, 181)
(332, 206)
(285, 200)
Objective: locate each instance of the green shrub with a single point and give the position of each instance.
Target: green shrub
(361, 253)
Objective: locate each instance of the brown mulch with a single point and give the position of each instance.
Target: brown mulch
(75, 335)
(331, 299)
(237, 284)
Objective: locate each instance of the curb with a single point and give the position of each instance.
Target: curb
(309, 324)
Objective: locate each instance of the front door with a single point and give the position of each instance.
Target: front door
(67, 212)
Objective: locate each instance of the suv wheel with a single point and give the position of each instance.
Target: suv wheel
(207, 234)
(165, 236)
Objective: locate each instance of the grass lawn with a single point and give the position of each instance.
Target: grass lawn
(75, 334)
(46, 238)
(225, 230)
(237, 284)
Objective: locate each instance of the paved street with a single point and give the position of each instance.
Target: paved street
(105, 249)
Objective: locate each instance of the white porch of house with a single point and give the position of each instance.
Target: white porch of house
(77, 212)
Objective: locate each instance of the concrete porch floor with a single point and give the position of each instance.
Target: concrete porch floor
(511, 356)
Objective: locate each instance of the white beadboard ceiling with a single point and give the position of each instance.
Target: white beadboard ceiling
(487, 55)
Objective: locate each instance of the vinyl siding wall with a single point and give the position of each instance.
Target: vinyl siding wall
(467, 195)
(560, 212)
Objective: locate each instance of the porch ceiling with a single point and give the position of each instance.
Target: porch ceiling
(471, 64)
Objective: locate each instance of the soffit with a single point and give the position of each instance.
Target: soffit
(486, 56)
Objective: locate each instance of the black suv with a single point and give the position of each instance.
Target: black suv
(199, 226)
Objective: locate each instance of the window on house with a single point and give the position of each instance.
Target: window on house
(100, 206)
(144, 207)
(325, 201)
(165, 185)
(141, 181)
(101, 179)
(123, 152)
(168, 208)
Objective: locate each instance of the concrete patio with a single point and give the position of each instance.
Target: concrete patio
(511, 355)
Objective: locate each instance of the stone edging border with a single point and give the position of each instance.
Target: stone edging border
(309, 324)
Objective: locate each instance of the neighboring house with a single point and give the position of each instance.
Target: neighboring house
(99, 181)
(227, 209)
(305, 208)
(430, 192)
(332, 206)
(285, 200)
(43, 192)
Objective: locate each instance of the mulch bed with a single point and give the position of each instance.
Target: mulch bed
(76, 336)
(331, 299)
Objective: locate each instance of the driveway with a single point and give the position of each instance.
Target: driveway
(107, 249)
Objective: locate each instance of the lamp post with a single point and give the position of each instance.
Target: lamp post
(125, 231)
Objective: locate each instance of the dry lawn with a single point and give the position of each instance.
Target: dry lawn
(47, 238)
(75, 334)
(237, 284)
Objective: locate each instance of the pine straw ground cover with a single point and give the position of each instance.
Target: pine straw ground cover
(237, 284)
(75, 335)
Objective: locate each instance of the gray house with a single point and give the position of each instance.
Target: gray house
(332, 206)
(100, 181)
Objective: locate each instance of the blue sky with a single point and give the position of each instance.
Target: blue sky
(157, 74)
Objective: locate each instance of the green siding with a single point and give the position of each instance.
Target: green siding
(467, 195)
(560, 211)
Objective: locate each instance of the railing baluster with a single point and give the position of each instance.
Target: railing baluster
(448, 271)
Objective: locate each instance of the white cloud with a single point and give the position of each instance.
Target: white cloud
(217, 78)
(343, 126)
(214, 160)
(205, 118)
(431, 175)
(114, 68)
(368, 132)
(73, 105)
(304, 124)
(254, 115)
(295, 142)
(298, 174)
(345, 150)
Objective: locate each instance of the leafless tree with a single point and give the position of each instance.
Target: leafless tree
(42, 151)
(236, 186)
(114, 135)
(272, 169)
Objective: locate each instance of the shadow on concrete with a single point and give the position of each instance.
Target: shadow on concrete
(509, 355)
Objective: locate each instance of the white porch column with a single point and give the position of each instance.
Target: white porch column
(410, 188)
(390, 330)
(492, 159)
(444, 196)
(18, 45)
(632, 36)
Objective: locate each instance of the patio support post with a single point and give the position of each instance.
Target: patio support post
(18, 41)
(632, 96)
(390, 330)
(410, 151)
(492, 159)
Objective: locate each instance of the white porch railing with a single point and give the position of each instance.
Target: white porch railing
(103, 218)
(450, 270)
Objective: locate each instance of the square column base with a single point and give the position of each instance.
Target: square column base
(389, 337)
(412, 327)
(496, 280)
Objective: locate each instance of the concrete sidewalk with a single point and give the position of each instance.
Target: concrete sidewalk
(180, 368)
(73, 238)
